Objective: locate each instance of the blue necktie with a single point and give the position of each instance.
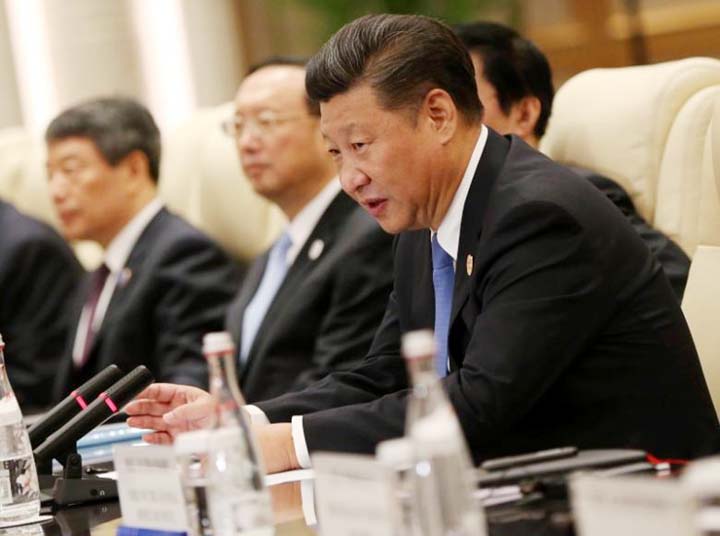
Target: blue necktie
(255, 311)
(443, 281)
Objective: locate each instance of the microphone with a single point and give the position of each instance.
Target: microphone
(73, 404)
(103, 407)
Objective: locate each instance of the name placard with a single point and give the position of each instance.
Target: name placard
(631, 506)
(355, 496)
(149, 487)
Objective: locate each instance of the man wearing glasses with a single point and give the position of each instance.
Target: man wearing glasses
(311, 304)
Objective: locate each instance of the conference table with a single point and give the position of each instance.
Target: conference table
(536, 517)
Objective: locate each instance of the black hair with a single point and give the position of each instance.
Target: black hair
(513, 65)
(402, 57)
(116, 125)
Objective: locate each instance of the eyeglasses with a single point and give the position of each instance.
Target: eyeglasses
(263, 123)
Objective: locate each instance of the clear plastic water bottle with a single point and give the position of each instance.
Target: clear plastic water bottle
(192, 452)
(19, 489)
(442, 476)
(238, 501)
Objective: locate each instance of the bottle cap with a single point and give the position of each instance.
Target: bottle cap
(218, 342)
(418, 344)
(195, 442)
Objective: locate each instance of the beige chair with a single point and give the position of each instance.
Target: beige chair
(201, 179)
(701, 302)
(22, 174)
(23, 183)
(617, 121)
(686, 207)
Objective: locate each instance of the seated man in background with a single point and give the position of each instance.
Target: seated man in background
(162, 284)
(559, 326)
(38, 276)
(515, 85)
(312, 303)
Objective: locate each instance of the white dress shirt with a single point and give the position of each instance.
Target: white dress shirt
(115, 257)
(302, 225)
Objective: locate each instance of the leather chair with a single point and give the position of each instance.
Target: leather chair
(701, 302)
(617, 121)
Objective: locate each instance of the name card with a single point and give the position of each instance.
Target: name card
(149, 487)
(355, 496)
(631, 506)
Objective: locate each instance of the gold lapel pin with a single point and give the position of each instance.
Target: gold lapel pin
(469, 265)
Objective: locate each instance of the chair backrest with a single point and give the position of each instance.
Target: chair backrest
(616, 121)
(201, 179)
(701, 301)
(687, 207)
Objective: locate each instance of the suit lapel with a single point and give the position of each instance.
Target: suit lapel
(488, 169)
(323, 233)
(132, 270)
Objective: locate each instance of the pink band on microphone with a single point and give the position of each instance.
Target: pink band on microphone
(109, 402)
(79, 399)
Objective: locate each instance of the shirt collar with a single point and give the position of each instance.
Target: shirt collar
(304, 222)
(448, 232)
(118, 251)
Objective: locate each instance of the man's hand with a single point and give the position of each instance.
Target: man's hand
(275, 442)
(170, 410)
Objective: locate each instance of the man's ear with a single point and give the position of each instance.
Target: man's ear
(137, 168)
(439, 108)
(524, 116)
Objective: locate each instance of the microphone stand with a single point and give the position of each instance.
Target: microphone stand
(74, 486)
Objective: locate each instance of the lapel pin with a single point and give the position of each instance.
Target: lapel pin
(124, 277)
(316, 249)
(469, 265)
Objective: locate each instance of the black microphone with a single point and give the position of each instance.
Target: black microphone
(105, 405)
(73, 404)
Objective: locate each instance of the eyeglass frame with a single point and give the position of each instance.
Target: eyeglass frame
(262, 125)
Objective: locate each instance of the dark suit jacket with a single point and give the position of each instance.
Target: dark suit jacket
(179, 288)
(38, 275)
(674, 261)
(565, 333)
(327, 310)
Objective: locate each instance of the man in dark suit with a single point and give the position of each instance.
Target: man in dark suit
(562, 329)
(336, 274)
(515, 85)
(38, 275)
(162, 284)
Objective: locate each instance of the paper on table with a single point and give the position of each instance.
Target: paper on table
(38, 519)
(289, 476)
(501, 495)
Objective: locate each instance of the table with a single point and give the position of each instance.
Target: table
(535, 517)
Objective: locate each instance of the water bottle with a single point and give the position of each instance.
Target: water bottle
(442, 475)
(238, 501)
(19, 489)
(192, 452)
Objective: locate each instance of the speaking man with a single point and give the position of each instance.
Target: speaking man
(561, 328)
